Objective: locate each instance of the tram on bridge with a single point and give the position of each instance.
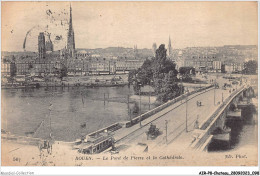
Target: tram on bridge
(95, 144)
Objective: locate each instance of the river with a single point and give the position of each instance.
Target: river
(26, 111)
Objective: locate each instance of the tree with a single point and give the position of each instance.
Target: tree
(250, 67)
(132, 76)
(186, 73)
(158, 82)
(160, 58)
(145, 73)
(63, 72)
(132, 79)
(161, 67)
(170, 66)
(187, 70)
(170, 88)
(135, 109)
(160, 73)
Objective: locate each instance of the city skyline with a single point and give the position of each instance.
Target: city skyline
(95, 26)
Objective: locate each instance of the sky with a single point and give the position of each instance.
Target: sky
(125, 24)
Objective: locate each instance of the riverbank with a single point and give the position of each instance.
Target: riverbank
(69, 81)
(80, 81)
(64, 84)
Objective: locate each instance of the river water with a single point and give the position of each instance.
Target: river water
(22, 112)
(26, 111)
(243, 133)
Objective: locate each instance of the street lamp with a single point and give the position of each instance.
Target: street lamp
(166, 123)
(187, 113)
(150, 94)
(215, 92)
(140, 110)
(181, 86)
(50, 107)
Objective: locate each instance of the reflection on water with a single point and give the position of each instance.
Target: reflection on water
(24, 110)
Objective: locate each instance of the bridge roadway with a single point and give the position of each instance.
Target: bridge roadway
(176, 127)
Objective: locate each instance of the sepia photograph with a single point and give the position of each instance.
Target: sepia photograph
(129, 83)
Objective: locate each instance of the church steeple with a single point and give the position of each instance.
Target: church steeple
(170, 41)
(71, 39)
(170, 47)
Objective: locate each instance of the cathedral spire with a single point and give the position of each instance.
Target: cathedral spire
(70, 15)
(71, 39)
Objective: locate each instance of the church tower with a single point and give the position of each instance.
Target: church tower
(71, 39)
(48, 43)
(154, 49)
(41, 46)
(170, 52)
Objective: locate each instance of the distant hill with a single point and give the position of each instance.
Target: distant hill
(226, 53)
(118, 51)
(232, 53)
(20, 53)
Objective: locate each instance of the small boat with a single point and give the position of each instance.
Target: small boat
(29, 134)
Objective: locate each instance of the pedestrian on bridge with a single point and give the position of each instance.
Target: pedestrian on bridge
(196, 124)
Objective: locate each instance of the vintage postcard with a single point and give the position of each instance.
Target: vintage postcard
(129, 84)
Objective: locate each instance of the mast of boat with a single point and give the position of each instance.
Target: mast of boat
(6, 121)
(50, 107)
(82, 98)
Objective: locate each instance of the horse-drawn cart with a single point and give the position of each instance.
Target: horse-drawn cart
(152, 132)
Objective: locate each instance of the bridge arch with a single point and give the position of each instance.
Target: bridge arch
(240, 97)
(232, 106)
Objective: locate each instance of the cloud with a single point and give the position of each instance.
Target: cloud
(104, 24)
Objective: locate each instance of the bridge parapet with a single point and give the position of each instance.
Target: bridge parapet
(215, 120)
(204, 125)
(163, 106)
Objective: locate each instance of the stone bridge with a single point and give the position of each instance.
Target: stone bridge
(216, 126)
